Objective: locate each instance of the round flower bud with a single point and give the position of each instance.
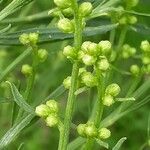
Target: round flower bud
(93, 49)
(69, 52)
(33, 38)
(85, 46)
(104, 133)
(26, 70)
(108, 100)
(81, 129)
(42, 110)
(103, 64)
(131, 3)
(88, 79)
(128, 51)
(67, 82)
(123, 20)
(24, 39)
(105, 47)
(52, 120)
(146, 60)
(145, 46)
(66, 25)
(62, 3)
(88, 60)
(85, 9)
(113, 89)
(81, 71)
(42, 54)
(53, 106)
(135, 70)
(91, 130)
(68, 12)
(132, 20)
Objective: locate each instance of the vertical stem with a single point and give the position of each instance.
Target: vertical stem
(112, 36)
(74, 78)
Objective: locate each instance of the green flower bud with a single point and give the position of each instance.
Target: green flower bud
(132, 20)
(135, 70)
(68, 12)
(146, 60)
(62, 3)
(123, 20)
(108, 100)
(69, 52)
(105, 47)
(103, 64)
(88, 60)
(66, 25)
(26, 70)
(113, 89)
(53, 106)
(80, 55)
(33, 38)
(52, 120)
(104, 133)
(67, 82)
(85, 46)
(85, 9)
(93, 49)
(24, 39)
(81, 129)
(128, 51)
(131, 3)
(42, 110)
(145, 46)
(42, 54)
(89, 79)
(81, 71)
(56, 12)
(90, 130)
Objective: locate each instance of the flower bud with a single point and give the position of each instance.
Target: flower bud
(24, 39)
(123, 20)
(113, 89)
(105, 47)
(67, 82)
(81, 129)
(104, 133)
(33, 38)
(146, 60)
(85, 46)
(93, 49)
(135, 70)
(56, 12)
(62, 3)
(42, 54)
(108, 100)
(131, 3)
(69, 52)
(81, 71)
(68, 12)
(145, 46)
(128, 51)
(89, 79)
(52, 120)
(85, 9)
(132, 20)
(53, 106)
(42, 110)
(103, 64)
(26, 70)
(66, 25)
(91, 130)
(88, 60)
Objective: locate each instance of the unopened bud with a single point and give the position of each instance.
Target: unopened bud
(42, 54)
(53, 106)
(108, 100)
(135, 70)
(52, 120)
(62, 3)
(145, 46)
(132, 20)
(69, 52)
(81, 129)
(33, 38)
(104, 133)
(42, 110)
(103, 64)
(24, 39)
(88, 60)
(26, 70)
(67, 82)
(105, 47)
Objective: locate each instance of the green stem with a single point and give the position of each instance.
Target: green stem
(112, 36)
(74, 78)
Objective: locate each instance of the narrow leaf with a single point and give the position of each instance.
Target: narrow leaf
(119, 143)
(102, 143)
(125, 99)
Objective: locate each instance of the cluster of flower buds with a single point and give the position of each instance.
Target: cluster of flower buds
(127, 19)
(111, 92)
(131, 3)
(65, 9)
(49, 112)
(145, 47)
(128, 51)
(89, 130)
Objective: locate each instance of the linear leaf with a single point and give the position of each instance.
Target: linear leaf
(102, 143)
(119, 143)
(18, 98)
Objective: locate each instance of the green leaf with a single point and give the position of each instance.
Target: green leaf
(137, 13)
(13, 65)
(14, 6)
(18, 98)
(119, 143)
(125, 99)
(102, 143)
(5, 29)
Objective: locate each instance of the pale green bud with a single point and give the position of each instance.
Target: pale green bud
(24, 39)
(42, 110)
(62, 3)
(128, 51)
(81, 71)
(123, 20)
(132, 20)
(81, 129)
(42, 54)
(146, 60)
(104, 133)
(85, 46)
(113, 89)
(103, 64)
(26, 70)
(67, 82)
(108, 100)
(135, 70)
(88, 60)
(68, 12)
(53, 106)
(145, 46)
(93, 49)
(105, 47)
(69, 52)
(52, 120)
(131, 3)
(90, 130)
(85, 9)
(89, 79)
(33, 38)
(66, 25)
